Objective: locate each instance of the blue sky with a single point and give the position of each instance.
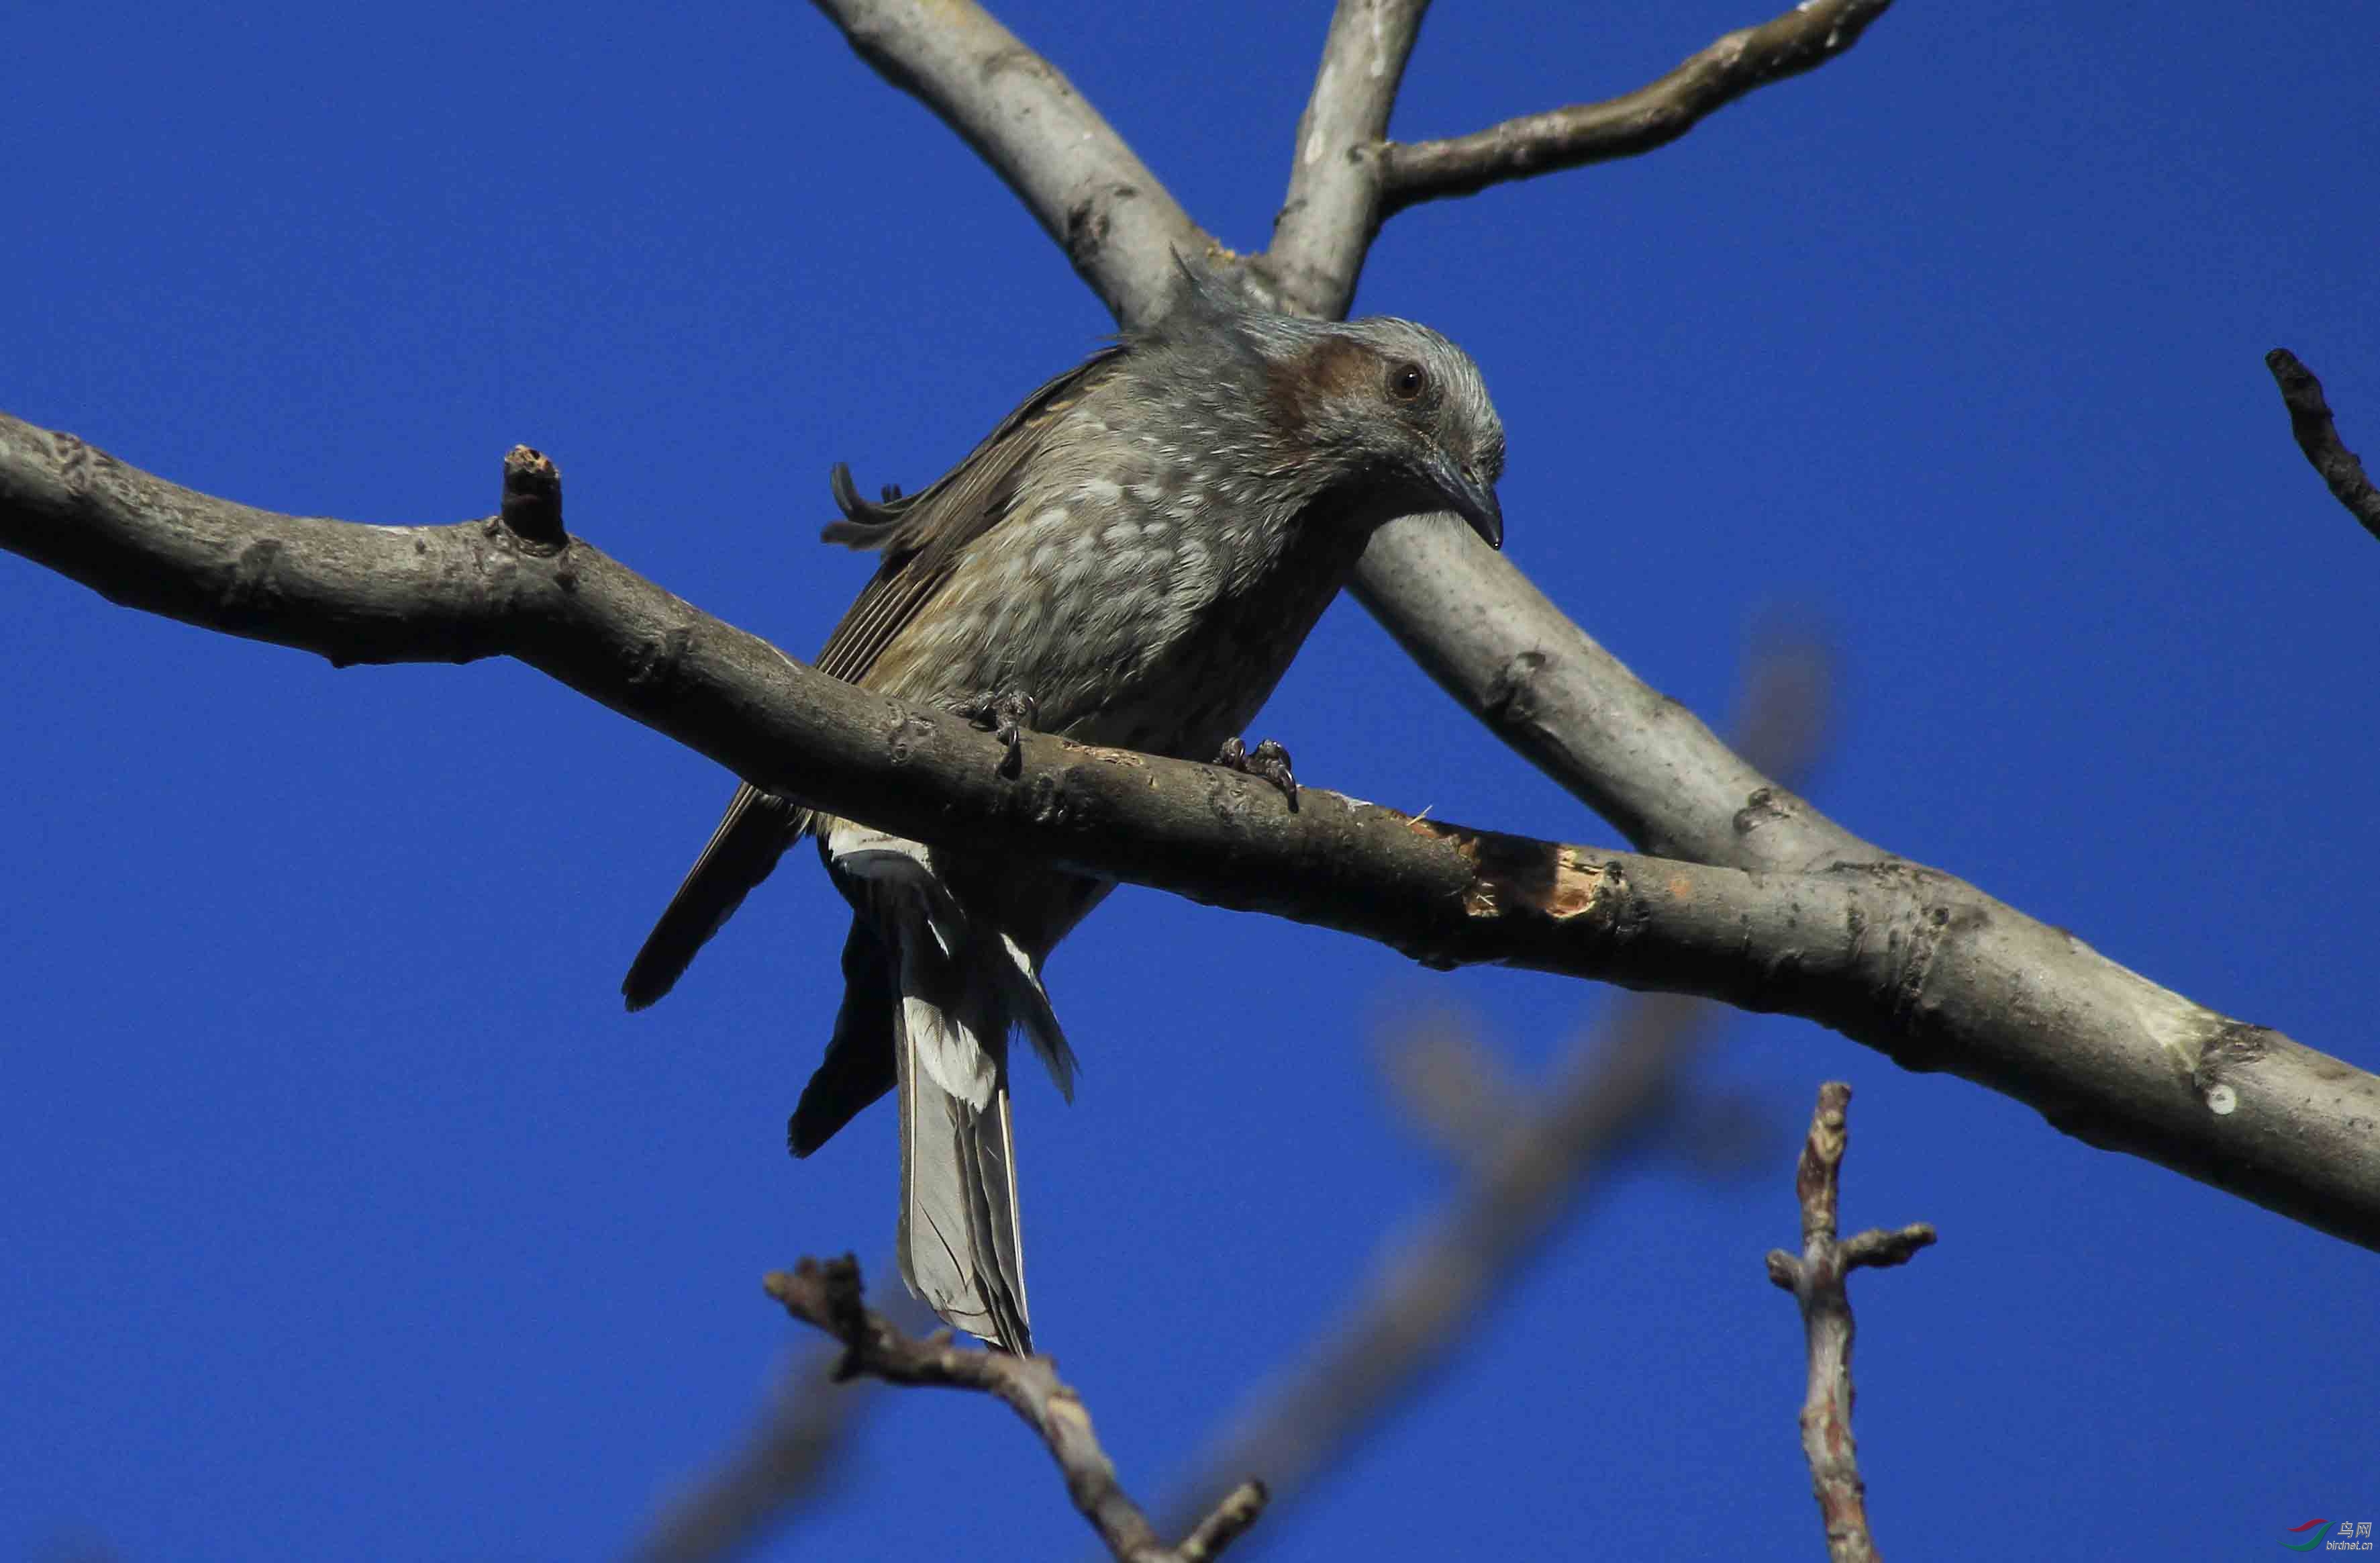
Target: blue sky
(348, 1214)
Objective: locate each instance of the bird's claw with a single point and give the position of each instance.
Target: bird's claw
(1269, 761)
(1005, 714)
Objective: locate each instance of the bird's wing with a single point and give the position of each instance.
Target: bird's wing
(743, 851)
(922, 537)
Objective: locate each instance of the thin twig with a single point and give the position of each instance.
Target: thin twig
(1803, 39)
(2310, 420)
(1816, 1279)
(829, 1297)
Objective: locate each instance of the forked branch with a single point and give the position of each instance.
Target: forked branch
(1117, 223)
(828, 1296)
(1816, 1278)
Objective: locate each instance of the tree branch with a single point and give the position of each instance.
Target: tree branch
(1636, 757)
(1816, 1279)
(2310, 420)
(1801, 40)
(1912, 961)
(1118, 223)
(828, 1296)
(1334, 180)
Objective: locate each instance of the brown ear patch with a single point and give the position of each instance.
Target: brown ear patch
(1332, 367)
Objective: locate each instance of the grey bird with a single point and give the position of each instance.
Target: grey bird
(1130, 559)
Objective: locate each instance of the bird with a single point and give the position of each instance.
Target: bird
(1130, 558)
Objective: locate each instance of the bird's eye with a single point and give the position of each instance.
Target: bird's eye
(1407, 381)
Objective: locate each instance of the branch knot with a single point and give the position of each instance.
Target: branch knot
(531, 508)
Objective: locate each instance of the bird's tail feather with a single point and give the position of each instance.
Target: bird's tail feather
(957, 989)
(960, 1246)
(1028, 1003)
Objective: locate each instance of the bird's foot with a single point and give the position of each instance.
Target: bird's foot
(1005, 714)
(1268, 761)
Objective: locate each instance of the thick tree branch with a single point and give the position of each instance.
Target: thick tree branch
(2310, 420)
(1816, 1279)
(1334, 180)
(828, 1296)
(1803, 39)
(1912, 961)
(1116, 220)
(1636, 757)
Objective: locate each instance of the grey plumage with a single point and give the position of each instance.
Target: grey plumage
(1140, 548)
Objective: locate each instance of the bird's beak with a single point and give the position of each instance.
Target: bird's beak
(1469, 498)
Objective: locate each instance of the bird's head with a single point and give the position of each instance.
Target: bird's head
(1386, 408)
(1404, 408)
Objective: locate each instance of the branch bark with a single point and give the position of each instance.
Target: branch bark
(1816, 1279)
(1334, 180)
(1913, 962)
(828, 1296)
(1651, 116)
(1117, 223)
(2317, 435)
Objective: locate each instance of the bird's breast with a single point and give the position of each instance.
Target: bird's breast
(1148, 606)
